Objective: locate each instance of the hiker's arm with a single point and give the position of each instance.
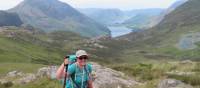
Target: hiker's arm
(61, 70)
(90, 85)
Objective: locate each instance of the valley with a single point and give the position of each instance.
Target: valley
(154, 48)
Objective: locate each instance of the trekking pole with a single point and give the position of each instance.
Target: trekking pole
(66, 67)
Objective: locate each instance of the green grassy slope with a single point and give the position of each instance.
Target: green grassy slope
(160, 42)
(36, 48)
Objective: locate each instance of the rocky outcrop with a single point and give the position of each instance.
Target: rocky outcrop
(188, 41)
(95, 42)
(172, 83)
(19, 77)
(14, 74)
(108, 78)
(26, 79)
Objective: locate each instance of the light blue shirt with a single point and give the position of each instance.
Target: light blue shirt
(78, 77)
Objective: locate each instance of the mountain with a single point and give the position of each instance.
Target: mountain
(175, 5)
(51, 15)
(134, 18)
(108, 16)
(152, 11)
(169, 10)
(148, 18)
(175, 37)
(9, 19)
(142, 18)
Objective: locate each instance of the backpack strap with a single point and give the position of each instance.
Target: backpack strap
(73, 78)
(87, 70)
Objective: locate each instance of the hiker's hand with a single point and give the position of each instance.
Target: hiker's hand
(65, 61)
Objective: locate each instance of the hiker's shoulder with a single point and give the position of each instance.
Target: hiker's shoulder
(72, 66)
(89, 66)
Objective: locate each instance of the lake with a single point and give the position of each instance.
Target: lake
(119, 30)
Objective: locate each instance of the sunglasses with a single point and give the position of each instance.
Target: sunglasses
(83, 57)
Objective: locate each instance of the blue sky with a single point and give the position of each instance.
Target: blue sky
(121, 4)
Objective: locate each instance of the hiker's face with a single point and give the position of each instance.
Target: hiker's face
(82, 60)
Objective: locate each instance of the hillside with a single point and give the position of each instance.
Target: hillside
(108, 16)
(143, 18)
(175, 5)
(175, 37)
(9, 19)
(147, 18)
(19, 44)
(51, 15)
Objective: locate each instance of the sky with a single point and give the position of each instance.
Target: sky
(120, 4)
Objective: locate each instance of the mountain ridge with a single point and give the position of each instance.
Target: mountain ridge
(56, 15)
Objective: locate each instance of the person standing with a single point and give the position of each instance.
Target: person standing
(78, 73)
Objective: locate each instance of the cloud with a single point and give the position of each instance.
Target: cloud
(123, 4)
(7, 4)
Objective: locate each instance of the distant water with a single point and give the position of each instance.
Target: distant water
(119, 30)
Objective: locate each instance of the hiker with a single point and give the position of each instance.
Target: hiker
(78, 73)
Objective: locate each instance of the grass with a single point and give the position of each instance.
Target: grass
(41, 83)
(36, 48)
(194, 80)
(151, 73)
(22, 51)
(24, 67)
(142, 72)
(149, 84)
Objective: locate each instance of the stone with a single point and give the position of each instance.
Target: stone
(27, 79)
(108, 78)
(48, 72)
(173, 83)
(12, 74)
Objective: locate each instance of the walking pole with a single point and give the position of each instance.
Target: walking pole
(66, 67)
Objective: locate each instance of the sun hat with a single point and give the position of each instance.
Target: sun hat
(81, 53)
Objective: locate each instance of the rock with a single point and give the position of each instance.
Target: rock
(47, 71)
(99, 46)
(14, 74)
(43, 72)
(26, 79)
(180, 73)
(172, 83)
(186, 62)
(187, 41)
(94, 43)
(3, 81)
(6, 84)
(108, 78)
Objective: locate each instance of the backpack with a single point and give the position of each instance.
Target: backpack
(72, 59)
